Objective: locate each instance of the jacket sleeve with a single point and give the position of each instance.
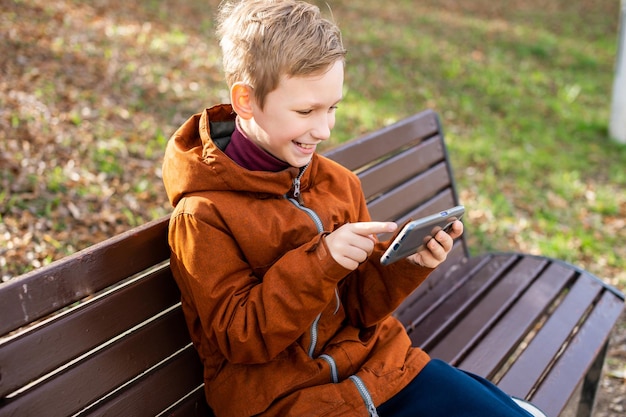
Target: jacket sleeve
(251, 321)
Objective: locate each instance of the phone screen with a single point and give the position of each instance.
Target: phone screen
(418, 233)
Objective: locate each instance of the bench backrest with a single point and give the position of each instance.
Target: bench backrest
(101, 331)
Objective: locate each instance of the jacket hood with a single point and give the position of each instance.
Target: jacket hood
(195, 163)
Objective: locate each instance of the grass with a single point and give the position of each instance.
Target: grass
(93, 90)
(524, 96)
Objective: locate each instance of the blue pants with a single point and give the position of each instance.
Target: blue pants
(442, 390)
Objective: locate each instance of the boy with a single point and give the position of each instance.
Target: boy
(274, 250)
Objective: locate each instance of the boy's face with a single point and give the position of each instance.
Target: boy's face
(297, 115)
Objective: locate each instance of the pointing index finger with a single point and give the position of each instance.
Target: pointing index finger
(372, 228)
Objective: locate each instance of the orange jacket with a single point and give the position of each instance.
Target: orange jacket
(282, 329)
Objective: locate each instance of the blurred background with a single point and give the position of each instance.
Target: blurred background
(90, 92)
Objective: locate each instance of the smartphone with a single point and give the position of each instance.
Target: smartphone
(414, 235)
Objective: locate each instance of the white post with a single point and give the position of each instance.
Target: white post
(617, 125)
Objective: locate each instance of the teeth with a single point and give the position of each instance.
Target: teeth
(305, 145)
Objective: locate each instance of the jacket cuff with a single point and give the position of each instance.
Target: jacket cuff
(329, 266)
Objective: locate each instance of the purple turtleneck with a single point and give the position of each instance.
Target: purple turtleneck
(250, 156)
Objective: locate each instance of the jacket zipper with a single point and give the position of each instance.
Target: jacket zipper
(334, 374)
(313, 215)
(313, 343)
(299, 203)
(297, 200)
(367, 398)
(320, 228)
(296, 184)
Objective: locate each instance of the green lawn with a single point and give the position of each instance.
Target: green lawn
(524, 93)
(90, 92)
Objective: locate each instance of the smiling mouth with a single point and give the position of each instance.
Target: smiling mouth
(305, 145)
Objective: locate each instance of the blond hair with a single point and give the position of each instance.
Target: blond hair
(262, 40)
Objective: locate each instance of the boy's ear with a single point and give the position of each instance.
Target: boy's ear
(241, 96)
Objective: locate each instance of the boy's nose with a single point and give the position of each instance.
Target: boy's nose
(323, 126)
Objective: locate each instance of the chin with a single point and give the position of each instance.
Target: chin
(299, 163)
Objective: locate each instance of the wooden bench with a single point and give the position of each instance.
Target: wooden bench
(101, 332)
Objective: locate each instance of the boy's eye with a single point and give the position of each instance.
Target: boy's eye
(309, 111)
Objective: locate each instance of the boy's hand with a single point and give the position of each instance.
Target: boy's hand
(352, 243)
(436, 251)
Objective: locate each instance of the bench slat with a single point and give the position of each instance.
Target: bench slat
(86, 381)
(194, 405)
(84, 327)
(439, 314)
(41, 292)
(396, 203)
(470, 297)
(359, 152)
(498, 345)
(440, 282)
(545, 346)
(441, 201)
(591, 337)
(481, 316)
(150, 395)
(387, 174)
